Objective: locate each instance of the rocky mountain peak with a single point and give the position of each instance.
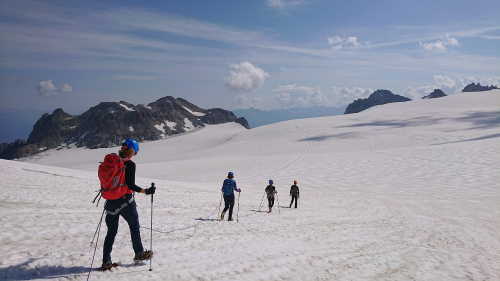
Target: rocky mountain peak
(108, 123)
(437, 93)
(378, 97)
(477, 87)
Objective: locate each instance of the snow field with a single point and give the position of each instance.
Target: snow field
(404, 191)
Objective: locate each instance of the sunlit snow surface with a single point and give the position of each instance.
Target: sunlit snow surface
(404, 191)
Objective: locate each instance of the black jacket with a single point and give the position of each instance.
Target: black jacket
(294, 190)
(270, 190)
(130, 176)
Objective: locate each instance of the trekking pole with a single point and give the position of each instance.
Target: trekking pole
(238, 211)
(98, 231)
(220, 204)
(261, 201)
(95, 233)
(278, 201)
(151, 232)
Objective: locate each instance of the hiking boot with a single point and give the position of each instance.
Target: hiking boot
(107, 266)
(230, 219)
(222, 216)
(145, 255)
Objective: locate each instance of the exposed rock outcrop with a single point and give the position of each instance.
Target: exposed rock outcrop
(473, 87)
(437, 93)
(378, 97)
(108, 123)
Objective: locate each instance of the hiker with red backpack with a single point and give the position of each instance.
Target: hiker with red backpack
(117, 176)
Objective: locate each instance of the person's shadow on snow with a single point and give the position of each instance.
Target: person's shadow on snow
(23, 271)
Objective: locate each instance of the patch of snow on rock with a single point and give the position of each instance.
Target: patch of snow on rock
(199, 114)
(160, 127)
(171, 124)
(126, 107)
(188, 125)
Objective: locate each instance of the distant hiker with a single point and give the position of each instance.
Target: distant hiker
(270, 191)
(228, 188)
(294, 192)
(119, 192)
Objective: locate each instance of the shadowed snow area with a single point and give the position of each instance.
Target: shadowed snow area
(403, 191)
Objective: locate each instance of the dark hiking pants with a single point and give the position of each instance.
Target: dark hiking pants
(294, 198)
(270, 201)
(229, 204)
(129, 213)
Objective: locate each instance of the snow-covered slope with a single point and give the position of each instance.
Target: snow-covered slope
(405, 191)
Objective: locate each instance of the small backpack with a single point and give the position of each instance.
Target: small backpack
(111, 174)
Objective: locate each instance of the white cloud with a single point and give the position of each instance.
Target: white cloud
(281, 4)
(183, 26)
(443, 81)
(415, 93)
(293, 88)
(245, 76)
(441, 44)
(48, 88)
(66, 88)
(346, 95)
(245, 101)
(292, 95)
(339, 43)
(434, 46)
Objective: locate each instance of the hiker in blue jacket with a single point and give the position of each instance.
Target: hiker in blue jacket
(228, 188)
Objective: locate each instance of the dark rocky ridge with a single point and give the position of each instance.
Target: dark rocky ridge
(378, 97)
(473, 87)
(108, 123)
(437, 93)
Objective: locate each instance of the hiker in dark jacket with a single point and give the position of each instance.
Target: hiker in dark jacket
(228, 188)
(127, 208)
(270, 191)
(294, 192)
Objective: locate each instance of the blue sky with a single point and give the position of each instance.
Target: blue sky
(261, 53)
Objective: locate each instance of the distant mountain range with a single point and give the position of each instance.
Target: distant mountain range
(108, 123)
(380, 97)
(477, 87)
(258, 117)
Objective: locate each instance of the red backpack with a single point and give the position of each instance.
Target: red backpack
(112, 177)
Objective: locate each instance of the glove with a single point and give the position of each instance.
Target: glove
(239, 190)
(150, 190)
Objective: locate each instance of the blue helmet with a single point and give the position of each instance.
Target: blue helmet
(131, 143)
(271, 182)
(230, 175)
